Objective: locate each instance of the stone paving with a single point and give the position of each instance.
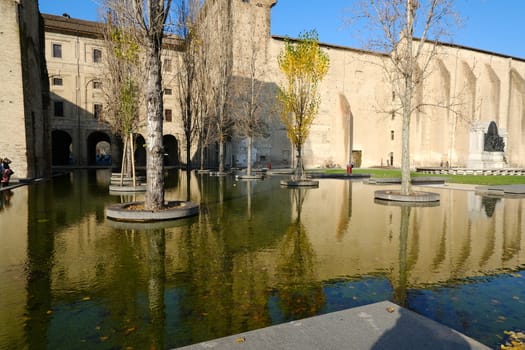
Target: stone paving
(382, 325)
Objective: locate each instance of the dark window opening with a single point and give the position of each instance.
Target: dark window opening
(57, 50)
(97, 111)
(58, 107)
(167, 65)
(167, 115)
(97, 85)
(97, 55)
(58, 81)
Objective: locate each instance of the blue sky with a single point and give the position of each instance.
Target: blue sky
(491, 25)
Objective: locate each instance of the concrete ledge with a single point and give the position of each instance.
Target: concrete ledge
(339, 176)
(423, 180)
(300, 183)
(250, 177)
(382, 325)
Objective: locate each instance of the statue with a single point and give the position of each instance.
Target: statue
(493, 142)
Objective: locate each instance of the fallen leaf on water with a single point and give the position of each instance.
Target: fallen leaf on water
(130, 330)
(104, 338)
(41, 221)
(49, 312)
(240, 340)
(86, 298)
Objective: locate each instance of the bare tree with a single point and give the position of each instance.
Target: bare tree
(121, 81)
(221, 70)
(250, 121)
(394, 25)
(188, 76)
(206, 131)
(148, 19)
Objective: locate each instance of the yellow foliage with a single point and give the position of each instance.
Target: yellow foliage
(304, 65)
(515, 341)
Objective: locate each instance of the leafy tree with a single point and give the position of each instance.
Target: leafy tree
(304, 64)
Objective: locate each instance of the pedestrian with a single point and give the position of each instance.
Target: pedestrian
(6, 172)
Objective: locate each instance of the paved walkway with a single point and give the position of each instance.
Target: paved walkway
(382, 325)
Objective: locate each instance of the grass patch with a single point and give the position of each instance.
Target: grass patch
(461, 179)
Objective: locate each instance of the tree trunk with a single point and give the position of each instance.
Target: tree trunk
(202, 157)
(407, 100)
(299, 170)
(405, 152)
(188, 154)
(154, 199)
(221, 156)
(249, 157)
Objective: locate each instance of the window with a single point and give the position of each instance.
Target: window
(391, 134)
(167, 115)
(167, 65)
(167, 91)
(57, 50)
(58, 107)
(97, 111)
(58, 81)
(97, 85)
(97, 56)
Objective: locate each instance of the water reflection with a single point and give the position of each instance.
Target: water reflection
(300, 292)
(257, 255)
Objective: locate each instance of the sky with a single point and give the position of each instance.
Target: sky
(491, 25)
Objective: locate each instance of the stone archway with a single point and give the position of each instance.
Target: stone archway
(171, 150)
(61, 143)
(99, 149)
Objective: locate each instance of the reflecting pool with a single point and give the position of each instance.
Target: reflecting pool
(257, 255)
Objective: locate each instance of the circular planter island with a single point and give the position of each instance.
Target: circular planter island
(413, 197)
(135, 212)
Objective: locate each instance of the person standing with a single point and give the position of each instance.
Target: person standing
(6, 172)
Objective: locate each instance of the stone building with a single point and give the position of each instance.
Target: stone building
(25, 92)
(486, 89)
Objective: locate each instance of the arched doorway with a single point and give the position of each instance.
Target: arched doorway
(99, 149)
(140, 151)
(61, 143)
(171, 150)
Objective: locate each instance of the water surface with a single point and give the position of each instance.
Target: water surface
(257, 255)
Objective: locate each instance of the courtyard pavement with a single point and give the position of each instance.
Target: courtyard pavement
(382, 325)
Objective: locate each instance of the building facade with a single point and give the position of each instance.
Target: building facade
(25, 92)
(353, 125)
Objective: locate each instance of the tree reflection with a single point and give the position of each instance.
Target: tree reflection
(300, 294)
(400, 288)
(156, 286)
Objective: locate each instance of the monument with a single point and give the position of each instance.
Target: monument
(487, 146)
